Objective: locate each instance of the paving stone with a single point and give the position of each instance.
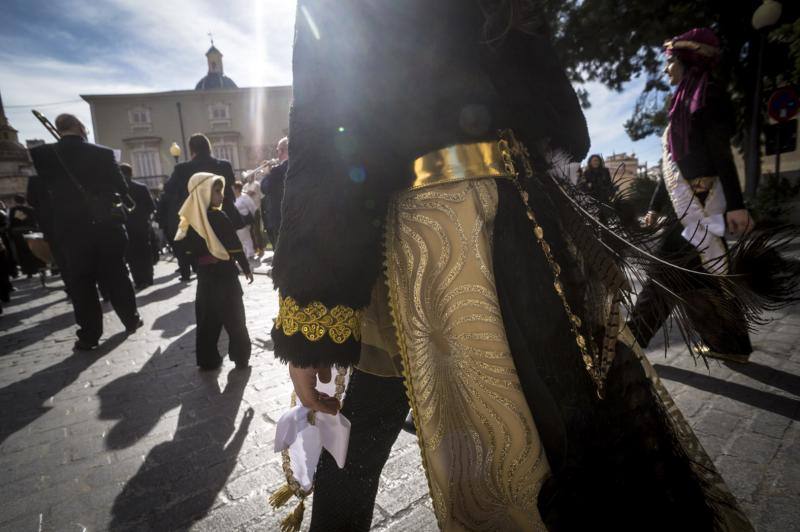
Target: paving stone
(416, 518)
(133, 438)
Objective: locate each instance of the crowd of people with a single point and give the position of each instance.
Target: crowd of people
(100, 229)
(419, 253)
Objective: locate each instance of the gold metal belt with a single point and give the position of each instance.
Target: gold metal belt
(460, 162)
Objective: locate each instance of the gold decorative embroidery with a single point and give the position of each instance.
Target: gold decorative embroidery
(314, 321)
(480, 447)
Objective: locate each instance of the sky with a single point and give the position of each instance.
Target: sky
(53, 51)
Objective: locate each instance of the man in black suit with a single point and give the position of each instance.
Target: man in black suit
(176, 192)
(272, 188)
(140, 254)
(87, 182)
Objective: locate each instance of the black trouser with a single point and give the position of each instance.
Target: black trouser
(721, 326)
(27, 261)
(5, 276)
(219, 304)
(344, 498)
(140, 256)
(60, 259)
(95, 255)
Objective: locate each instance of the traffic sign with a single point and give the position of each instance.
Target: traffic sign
(784, 104)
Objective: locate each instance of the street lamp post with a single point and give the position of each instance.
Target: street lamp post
(175, 151)
(766, 16)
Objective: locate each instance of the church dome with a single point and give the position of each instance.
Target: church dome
(215, 80)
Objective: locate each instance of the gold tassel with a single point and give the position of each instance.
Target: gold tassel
(281, 496)
(293, 521)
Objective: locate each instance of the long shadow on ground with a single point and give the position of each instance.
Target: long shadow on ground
(23, 401)
(179, 480)
(766, 401)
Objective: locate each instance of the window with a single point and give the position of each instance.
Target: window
(226, 152)
(146, 162)
(219, 111)
(139, 117)
(220, 114)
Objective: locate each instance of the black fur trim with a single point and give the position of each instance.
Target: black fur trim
(304, 353)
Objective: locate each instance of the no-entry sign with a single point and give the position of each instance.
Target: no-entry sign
(783, 105)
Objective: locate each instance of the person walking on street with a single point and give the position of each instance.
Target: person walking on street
(175, 193)
(700, 184)
(272, 188)
(5, 236)
(140, 254)
(247, 209)
(90, 223)
(206, 232)
(22, 221)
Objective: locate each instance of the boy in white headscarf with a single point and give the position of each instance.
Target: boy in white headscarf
(211, 238)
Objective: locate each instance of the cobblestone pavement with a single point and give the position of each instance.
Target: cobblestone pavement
(132, 437)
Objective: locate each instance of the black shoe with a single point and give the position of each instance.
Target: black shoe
(186, 279)
(242, 365)
(130, 329)
(82, 345)
(703, 350)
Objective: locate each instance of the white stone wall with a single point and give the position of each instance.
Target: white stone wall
(256, 119)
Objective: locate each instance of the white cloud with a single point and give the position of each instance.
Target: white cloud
(160, 46)
(606, 118)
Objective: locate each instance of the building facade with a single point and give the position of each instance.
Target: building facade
(15, 164)
(243, 124)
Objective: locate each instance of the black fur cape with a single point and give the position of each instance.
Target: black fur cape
(376, 85)
(379, 83)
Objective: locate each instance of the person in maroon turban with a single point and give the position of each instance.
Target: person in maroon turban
(701, 185)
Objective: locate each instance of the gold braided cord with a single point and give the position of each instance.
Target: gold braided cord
(292, 522)
(407, 377)
(315, 321)
(596, 365)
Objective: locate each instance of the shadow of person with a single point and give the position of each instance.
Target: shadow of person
(139, 400)
(767, 401)
(160, 294)
(39, 331)
(12, 317)
(176, 321)
(162, 278)
(179, 480)
(776, 378)
(23, 401)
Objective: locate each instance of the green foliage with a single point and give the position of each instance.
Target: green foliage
(773, 200)
(615, 41)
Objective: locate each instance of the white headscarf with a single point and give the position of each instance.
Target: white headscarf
(194, 213)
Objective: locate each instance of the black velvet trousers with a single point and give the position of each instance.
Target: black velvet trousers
(345, 498)
(219, 304)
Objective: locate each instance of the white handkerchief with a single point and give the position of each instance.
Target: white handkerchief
(305, 441)
(696, 233)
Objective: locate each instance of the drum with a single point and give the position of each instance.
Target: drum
(39, 247)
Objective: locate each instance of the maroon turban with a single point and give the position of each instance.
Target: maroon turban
(698, 50)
